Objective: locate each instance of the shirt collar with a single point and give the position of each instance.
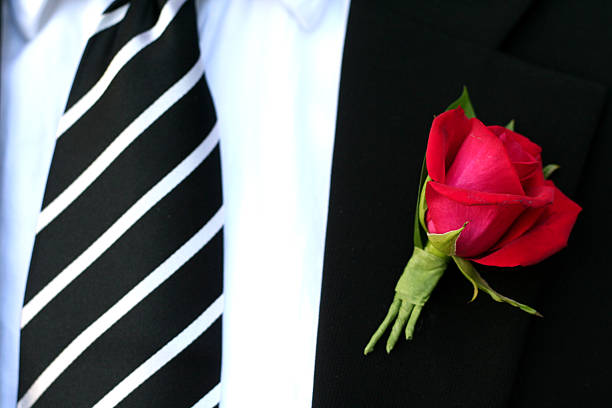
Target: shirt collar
(31, 15)
(308, 13)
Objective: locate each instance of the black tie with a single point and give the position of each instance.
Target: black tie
(124, 296)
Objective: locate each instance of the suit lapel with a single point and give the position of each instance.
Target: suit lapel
(396, 76)
(567, 358)
(479, 22)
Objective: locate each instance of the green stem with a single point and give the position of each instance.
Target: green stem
(404, 313)
(416, 312)
(393, 310)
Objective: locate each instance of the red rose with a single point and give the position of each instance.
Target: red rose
(492, 178)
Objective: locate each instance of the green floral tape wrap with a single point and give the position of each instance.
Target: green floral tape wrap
(420, 277)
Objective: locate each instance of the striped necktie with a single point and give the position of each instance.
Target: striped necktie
(124, 295)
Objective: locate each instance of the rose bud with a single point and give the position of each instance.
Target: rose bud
(491, 178)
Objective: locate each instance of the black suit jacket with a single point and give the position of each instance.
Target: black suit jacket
(546, 64)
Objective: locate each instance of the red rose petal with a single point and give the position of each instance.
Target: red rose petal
(489, 215)
(547, 236)
(447, 133)
(531, 175)
(524, 155)
(482, 164)
(512, 140)
(521, 225)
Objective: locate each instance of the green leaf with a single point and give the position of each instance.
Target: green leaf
(465, 103)
(447, 242)
(423, 205)
(478, 282)
(418, 238)
(549, 169)
(510, 125)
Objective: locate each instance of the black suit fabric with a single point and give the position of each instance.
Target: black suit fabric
(539, 63)
(567, 359)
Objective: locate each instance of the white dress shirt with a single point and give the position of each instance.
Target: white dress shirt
(273, 67)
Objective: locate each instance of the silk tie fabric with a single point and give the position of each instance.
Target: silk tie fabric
(124, 296)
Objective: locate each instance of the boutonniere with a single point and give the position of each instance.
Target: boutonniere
(484, 198)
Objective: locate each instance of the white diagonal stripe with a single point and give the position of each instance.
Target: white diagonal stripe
(117, 146)
(115, 231)
(125, 54)
(121, 308)
(111, 18)
(212, 398)
(162, 356)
